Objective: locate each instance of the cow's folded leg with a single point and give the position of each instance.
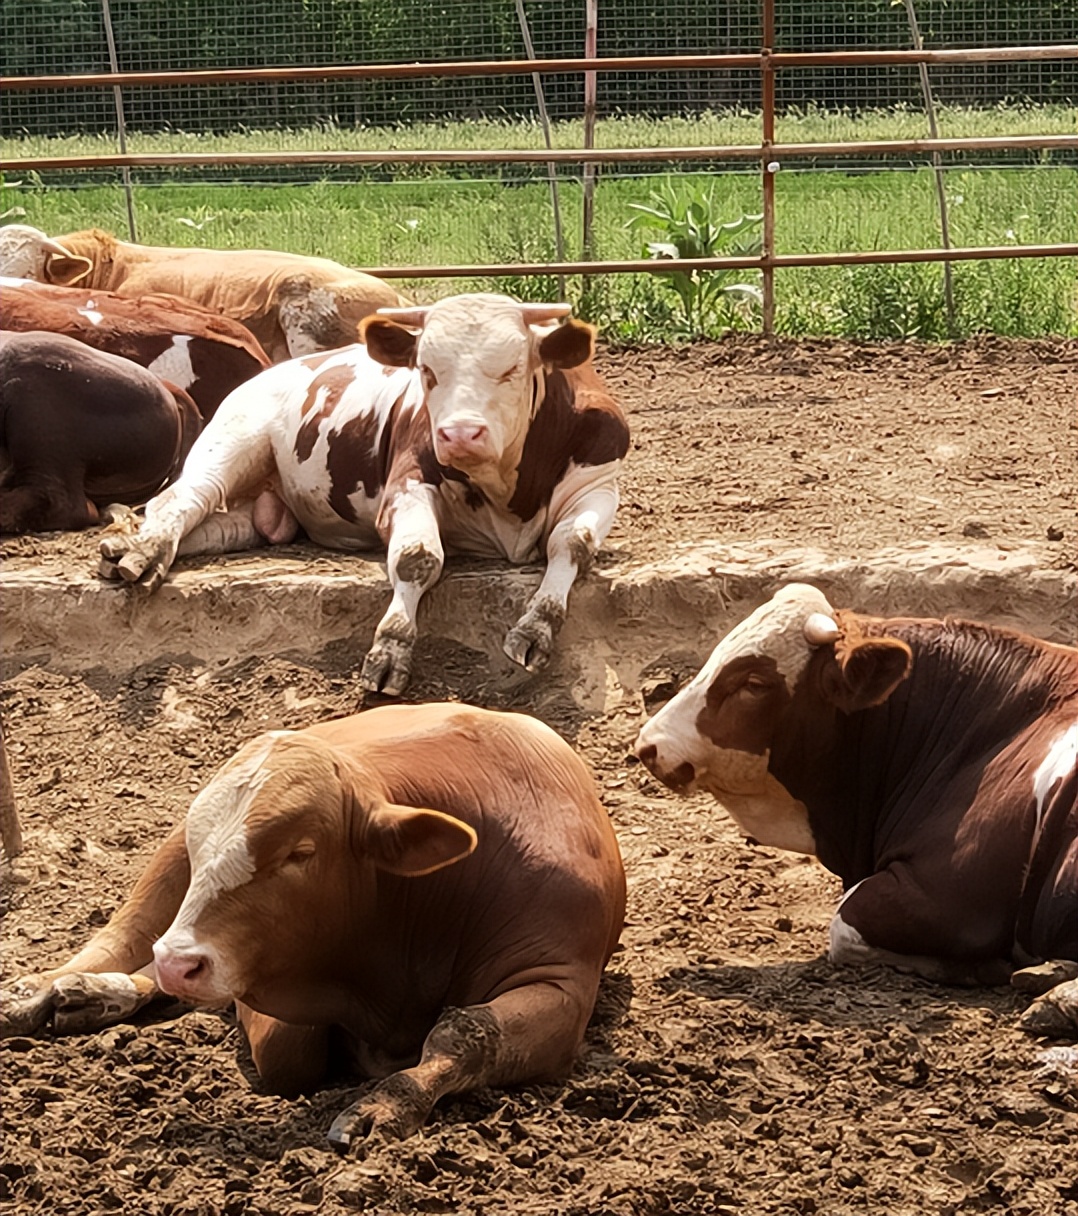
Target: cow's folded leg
(1055, 1013)
(528, 1034)
(883, 919)
(75, 1002)
(289, 1059)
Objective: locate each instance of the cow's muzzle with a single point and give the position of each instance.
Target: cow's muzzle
(679, 778)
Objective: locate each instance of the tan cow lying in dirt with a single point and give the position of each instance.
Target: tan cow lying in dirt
(294, 305)
(424, 893)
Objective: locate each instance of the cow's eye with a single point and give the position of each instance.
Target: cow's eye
(755, 686)
(301, 853)
(429, 378)
(507, 376)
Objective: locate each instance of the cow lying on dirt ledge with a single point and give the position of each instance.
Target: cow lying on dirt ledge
(486, 432)
(293, 304)
(426, 893)
(929, 764)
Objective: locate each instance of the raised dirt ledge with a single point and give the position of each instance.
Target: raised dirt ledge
(622, 615)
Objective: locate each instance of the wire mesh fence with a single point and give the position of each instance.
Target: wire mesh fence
(461, 213)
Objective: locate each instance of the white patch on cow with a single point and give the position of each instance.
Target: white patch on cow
(174, 363)
(10, 283)
(845, 944)
(220, 855)
(1056, 766)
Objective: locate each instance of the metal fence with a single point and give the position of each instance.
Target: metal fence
(255, 67)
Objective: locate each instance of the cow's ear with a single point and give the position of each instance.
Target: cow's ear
(569, 345)
(411, 842)
(387, 342)
(866, 672)
(66, 269)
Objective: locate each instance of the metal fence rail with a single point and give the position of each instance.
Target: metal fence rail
(768, 65)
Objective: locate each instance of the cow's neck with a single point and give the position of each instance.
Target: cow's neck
(862, 774)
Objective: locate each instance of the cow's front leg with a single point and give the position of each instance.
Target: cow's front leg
(110, 978)
(414, 562)
(571, 549)
(529, 1034)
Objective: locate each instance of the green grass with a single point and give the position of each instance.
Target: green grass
(439, 216)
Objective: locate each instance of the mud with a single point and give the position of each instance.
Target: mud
(729, 1068)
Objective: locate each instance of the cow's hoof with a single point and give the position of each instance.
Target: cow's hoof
(27, 1008)
(394, 1110)
(120, 519)
(1042, 978)
(143, 564)
(86, 1002)
(529, 644)
(387, 667)
(1054, 1014)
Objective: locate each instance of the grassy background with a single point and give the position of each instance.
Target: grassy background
(453, 214)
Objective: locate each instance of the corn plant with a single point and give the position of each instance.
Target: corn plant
(684, 215)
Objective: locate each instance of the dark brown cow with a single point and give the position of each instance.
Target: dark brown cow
(930, 764)
(80, 429)
(427, 892)
(183, 343)
(486, 432)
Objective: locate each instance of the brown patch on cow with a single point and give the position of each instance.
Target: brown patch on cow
(335, 381)
(744, 702)
(576, 421)
(569, 345)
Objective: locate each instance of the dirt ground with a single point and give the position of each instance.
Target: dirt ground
(729, 1068)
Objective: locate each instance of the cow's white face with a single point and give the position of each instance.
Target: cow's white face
(480, 358)
(716, 734)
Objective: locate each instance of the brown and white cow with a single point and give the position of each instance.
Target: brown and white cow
(293, 304)
(930, 764)
(181, 342)
(80, 429)
(486, 432)
(425, 893)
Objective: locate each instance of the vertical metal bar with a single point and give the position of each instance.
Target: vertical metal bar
(591, 42)
(551, 168)
(937, 166)
(121, 123)
(768, 166)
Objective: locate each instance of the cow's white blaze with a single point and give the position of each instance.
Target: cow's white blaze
(220, 856)
(1061, 759)
(174, 363)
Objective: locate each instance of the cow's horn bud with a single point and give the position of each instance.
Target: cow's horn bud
(820, 629)
(539, 314)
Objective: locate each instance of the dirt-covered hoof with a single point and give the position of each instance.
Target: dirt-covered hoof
(25, 1012)
(1055, 1014)
(387, 667)
(394, 1109)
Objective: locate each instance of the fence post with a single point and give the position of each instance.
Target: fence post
(121, 124)
(768, 167)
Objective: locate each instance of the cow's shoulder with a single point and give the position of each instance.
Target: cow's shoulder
(577, 422)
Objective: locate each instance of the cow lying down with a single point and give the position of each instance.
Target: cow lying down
(474, 426)
(426, 894)
(80, 429)
(930, 764)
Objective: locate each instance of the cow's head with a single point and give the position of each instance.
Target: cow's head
(718, 732)
(27, 253)
(478, 357)
(284, 843)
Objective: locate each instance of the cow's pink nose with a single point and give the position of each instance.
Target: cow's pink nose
(177, 973)
(461, 437)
